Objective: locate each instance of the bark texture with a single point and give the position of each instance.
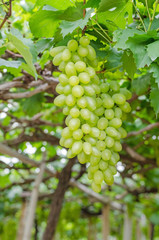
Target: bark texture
(57, 201)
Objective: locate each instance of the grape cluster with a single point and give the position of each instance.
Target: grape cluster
(94, 111)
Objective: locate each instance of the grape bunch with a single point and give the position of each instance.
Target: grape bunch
(94, 111)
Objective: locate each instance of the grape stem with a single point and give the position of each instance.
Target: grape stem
(84, 13)
(139, 16)
(102, 35)
(110, 40)
(8, 14)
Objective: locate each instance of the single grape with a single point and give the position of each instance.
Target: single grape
(102, 123)
(115, 122)
(54, 51)
(66, 55)
(82, 51)
(84, 41)
(84, 77)
(77, 147)
(109, 142)
(80, 66)
(63, 79)
(82, 102)
(74, 112)
(86, 128)
(73, 80)
(72, 45)
(66, 133)
(114, 85)
(67, 90)
(96, 187)
(85, 114)
(74, 124)
(60, 100)
(106, 154)
(70, 100)
(109, 114)
(98, 177)
(87, 148)
(101, 145)
(57, 59)
(94, 160)
(77, 134)
(91, 55)
(82, 158)
(103, 165)
(119, 98)
(68, 142)
(70, 69)
(77, 91)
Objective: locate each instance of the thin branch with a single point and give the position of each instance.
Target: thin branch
(133, 154)
(147, 128)
(8, 14)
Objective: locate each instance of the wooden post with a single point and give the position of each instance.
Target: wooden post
(33, 202)
(127, 233)
(105, 221)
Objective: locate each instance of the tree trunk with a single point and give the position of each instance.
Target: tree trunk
(57, 201)
(105, 221)
(33, 202)
(20, 231)
(127, 226)
(91, 229)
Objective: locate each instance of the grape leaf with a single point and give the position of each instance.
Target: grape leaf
(10, 64)
(149, 2)
(129, 64)
(33, 105)
(113, 59)
(105, 5)
(68, 27)
(44, 43)
(62, 4)
(140, 85)
(73, 13)
(153, 50)
(121, 36)
(92, 4)
(44, 23)
(26, 48)
(154, 97)
(118, 15)
(154, 68)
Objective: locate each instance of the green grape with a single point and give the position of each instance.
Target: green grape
(104, 87)
(84, 77)
(125, 107)
(93, 63)
(62, 66)
(91, 53)
(59, 88)
(80, 66)
(95, 79)
(66, 110)
(66, 133)
(126, 93)
(96, 187)
(87, 148)
(109, 114)
(70, 69)
(82, 51)
(93, 168)
(85, 114)
(106, 154)
(77, 91)
(94, 160)
(68, 142)
(77, 134)
(70, 154)
(86, 128)
(109, 142)
(112, 132)
(73, 80)
(98, 177)
(91, 103)
(89, 90)
(62, 140)
(119, 98)
(66, 55)
(77, 147)
(99, 102)
(82, 157)
(114, 85)
(102, 123)
(117, 146)
(122, 132)
(67, 120)
(101, 145)
(113, 170)
(116, 156)
(91, 72)
(67, 89)
(54, 51)
(102, 135)
(82, 102)
(57, 59)
(70, 100)
(108, 177)
(113, 160)
(72, 45)
(63, 79)
(117, 112)
(115, 122)
(93, 120)
(90, 174)
(96, 152)
(60, 100)
(74, 112)
(84, 41)
(103, 165)
(74, 124)
(99, 111)
(75, 57)
(91, 140)
(108, 102)
(95, 132)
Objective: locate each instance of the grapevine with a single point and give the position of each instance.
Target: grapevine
(94, 110)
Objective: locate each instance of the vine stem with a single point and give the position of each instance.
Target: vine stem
(139, 17)
(148, 9)
(102, 29)
(153, 16)
(101, 35)
(84, 14)
(8, 14)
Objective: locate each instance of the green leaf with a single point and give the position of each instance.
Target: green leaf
(154, 97)
(44, 43)
(10, 64)
(153, 50)
(25, 48)
(154, 68)
(4, 180)
(149, 2)
(73, 13)
(33, 105)
(113, 59)
(154, 218)
(129, 64)
(62, 4)
(105, 5)
(69, 27)
(121, 36)
(121, 15)
(44, 23)
(140, 85)
(92, 4)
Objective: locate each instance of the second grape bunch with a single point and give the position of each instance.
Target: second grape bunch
(94, 111)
